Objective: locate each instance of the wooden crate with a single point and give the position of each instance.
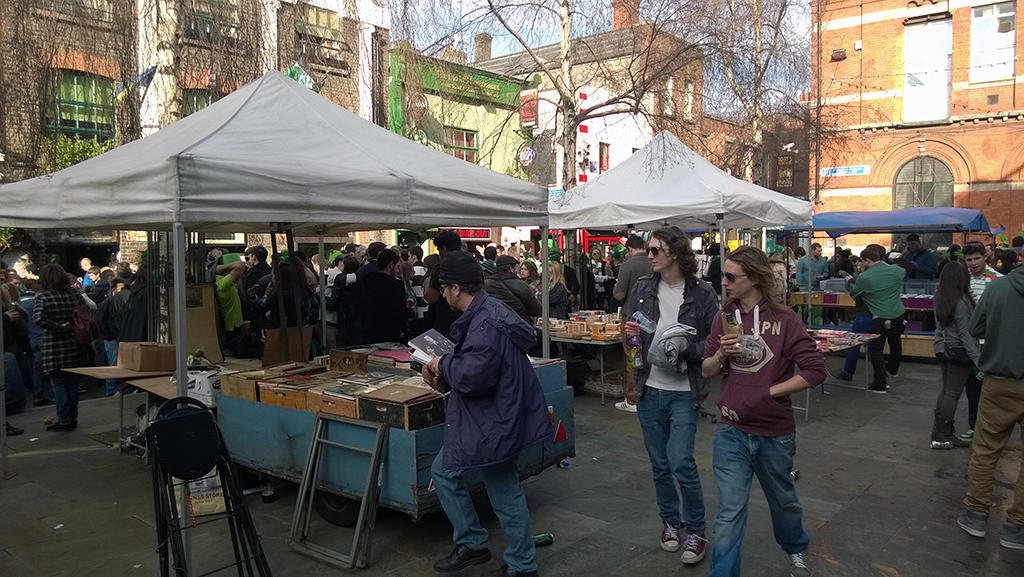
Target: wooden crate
(242, 385)
(351, 361)
(290, 398)
(318, 402)
(402, 407)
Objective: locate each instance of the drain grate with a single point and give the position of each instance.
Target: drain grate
(108, 438)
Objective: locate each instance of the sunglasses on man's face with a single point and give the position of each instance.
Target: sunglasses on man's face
(731, 276)
(653, 250)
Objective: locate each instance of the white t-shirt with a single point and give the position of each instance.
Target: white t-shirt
(670, 298)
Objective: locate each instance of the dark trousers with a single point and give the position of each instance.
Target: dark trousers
(888, 331)
(973, 390)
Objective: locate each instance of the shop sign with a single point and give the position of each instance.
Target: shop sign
(477, 234)
(861, 170)
(528, 108)
(527, 155)
(784, 178)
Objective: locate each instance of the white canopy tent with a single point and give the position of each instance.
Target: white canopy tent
(667, 184)
(271, 152)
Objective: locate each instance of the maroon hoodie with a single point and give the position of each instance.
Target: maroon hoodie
(744, 401)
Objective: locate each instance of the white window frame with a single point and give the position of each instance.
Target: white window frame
(993, 53)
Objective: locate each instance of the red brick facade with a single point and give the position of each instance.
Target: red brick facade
(886, 68)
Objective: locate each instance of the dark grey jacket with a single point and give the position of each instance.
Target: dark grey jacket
(513, 291)
(699, 308)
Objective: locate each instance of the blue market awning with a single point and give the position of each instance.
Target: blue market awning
(926, 219)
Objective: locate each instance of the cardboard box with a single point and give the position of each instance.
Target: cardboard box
(402, 406)
(204, 386)
(201, 318)
(145, 356)
(352, 361)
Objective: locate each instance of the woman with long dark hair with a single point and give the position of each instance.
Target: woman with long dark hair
(52, 313)
(956, 349)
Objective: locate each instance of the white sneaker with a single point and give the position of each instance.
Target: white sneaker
(625, 406)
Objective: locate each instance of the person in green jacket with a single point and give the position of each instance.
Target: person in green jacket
(997, 319)
(879, 287)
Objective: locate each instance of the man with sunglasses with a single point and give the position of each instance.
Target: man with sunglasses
(630, 271)
(671, 386)
(495, 408)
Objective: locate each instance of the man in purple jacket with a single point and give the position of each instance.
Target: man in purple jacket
(495, 408)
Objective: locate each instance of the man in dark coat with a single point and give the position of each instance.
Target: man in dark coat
(506, 286)
(495, 408)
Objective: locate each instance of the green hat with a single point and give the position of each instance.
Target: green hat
(618, 251)
(230, 257)
(333, 255)
(554, 253)
(286, 256)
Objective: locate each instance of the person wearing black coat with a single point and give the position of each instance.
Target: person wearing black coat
(384, 311)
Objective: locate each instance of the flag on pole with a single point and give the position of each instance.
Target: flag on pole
(299, 75)
(140, 80)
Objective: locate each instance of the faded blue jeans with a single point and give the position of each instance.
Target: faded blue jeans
(110, 349)
(738, 457)
(668, 421)
(507, 499)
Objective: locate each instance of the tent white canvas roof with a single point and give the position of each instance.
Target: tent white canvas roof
(667, 183)
(272, 151)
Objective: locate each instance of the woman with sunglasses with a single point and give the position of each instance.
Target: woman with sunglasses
(670, 386)
(756, 434)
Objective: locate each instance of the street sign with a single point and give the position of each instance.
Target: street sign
(862, 170)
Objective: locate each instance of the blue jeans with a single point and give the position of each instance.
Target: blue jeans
(738, 456)
(110, 348)
(65, 395)
(668, 421)
(39, 378)
(507, 499)
(861, 324)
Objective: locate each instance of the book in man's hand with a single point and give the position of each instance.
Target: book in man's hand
(429, 345)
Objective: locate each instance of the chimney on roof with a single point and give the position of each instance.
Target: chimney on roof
(481, 47)
(626, 13)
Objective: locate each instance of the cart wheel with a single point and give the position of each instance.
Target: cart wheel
(337, 510)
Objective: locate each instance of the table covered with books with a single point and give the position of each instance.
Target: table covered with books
(267, 419)
(600, 329)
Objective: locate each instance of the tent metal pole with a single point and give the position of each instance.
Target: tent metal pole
(810, 280)
(323, 289)
(276, 263)
(4, 472)
(180, 326)
(181, 356)
(721, 248)
(545, 294)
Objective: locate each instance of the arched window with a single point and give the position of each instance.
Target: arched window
(924, 181)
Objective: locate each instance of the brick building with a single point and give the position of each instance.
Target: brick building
(921, 106)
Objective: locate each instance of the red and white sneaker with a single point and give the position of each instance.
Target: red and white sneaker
(693, 549)
(670, 537)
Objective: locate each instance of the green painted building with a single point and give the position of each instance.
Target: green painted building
(469, 113)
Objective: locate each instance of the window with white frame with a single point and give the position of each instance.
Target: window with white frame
(688, 102)
(211, 20)
(665, 106)
(320, 34)
(461, 144)
(993, 41)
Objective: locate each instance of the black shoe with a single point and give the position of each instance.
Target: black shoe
(880, 389)
(12, 430)
(59, 427)
(892, 372)
(841, 375)
(506, 571)
(460, 558)
(41, 402)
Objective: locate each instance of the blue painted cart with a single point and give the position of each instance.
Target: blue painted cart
(274, 441)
